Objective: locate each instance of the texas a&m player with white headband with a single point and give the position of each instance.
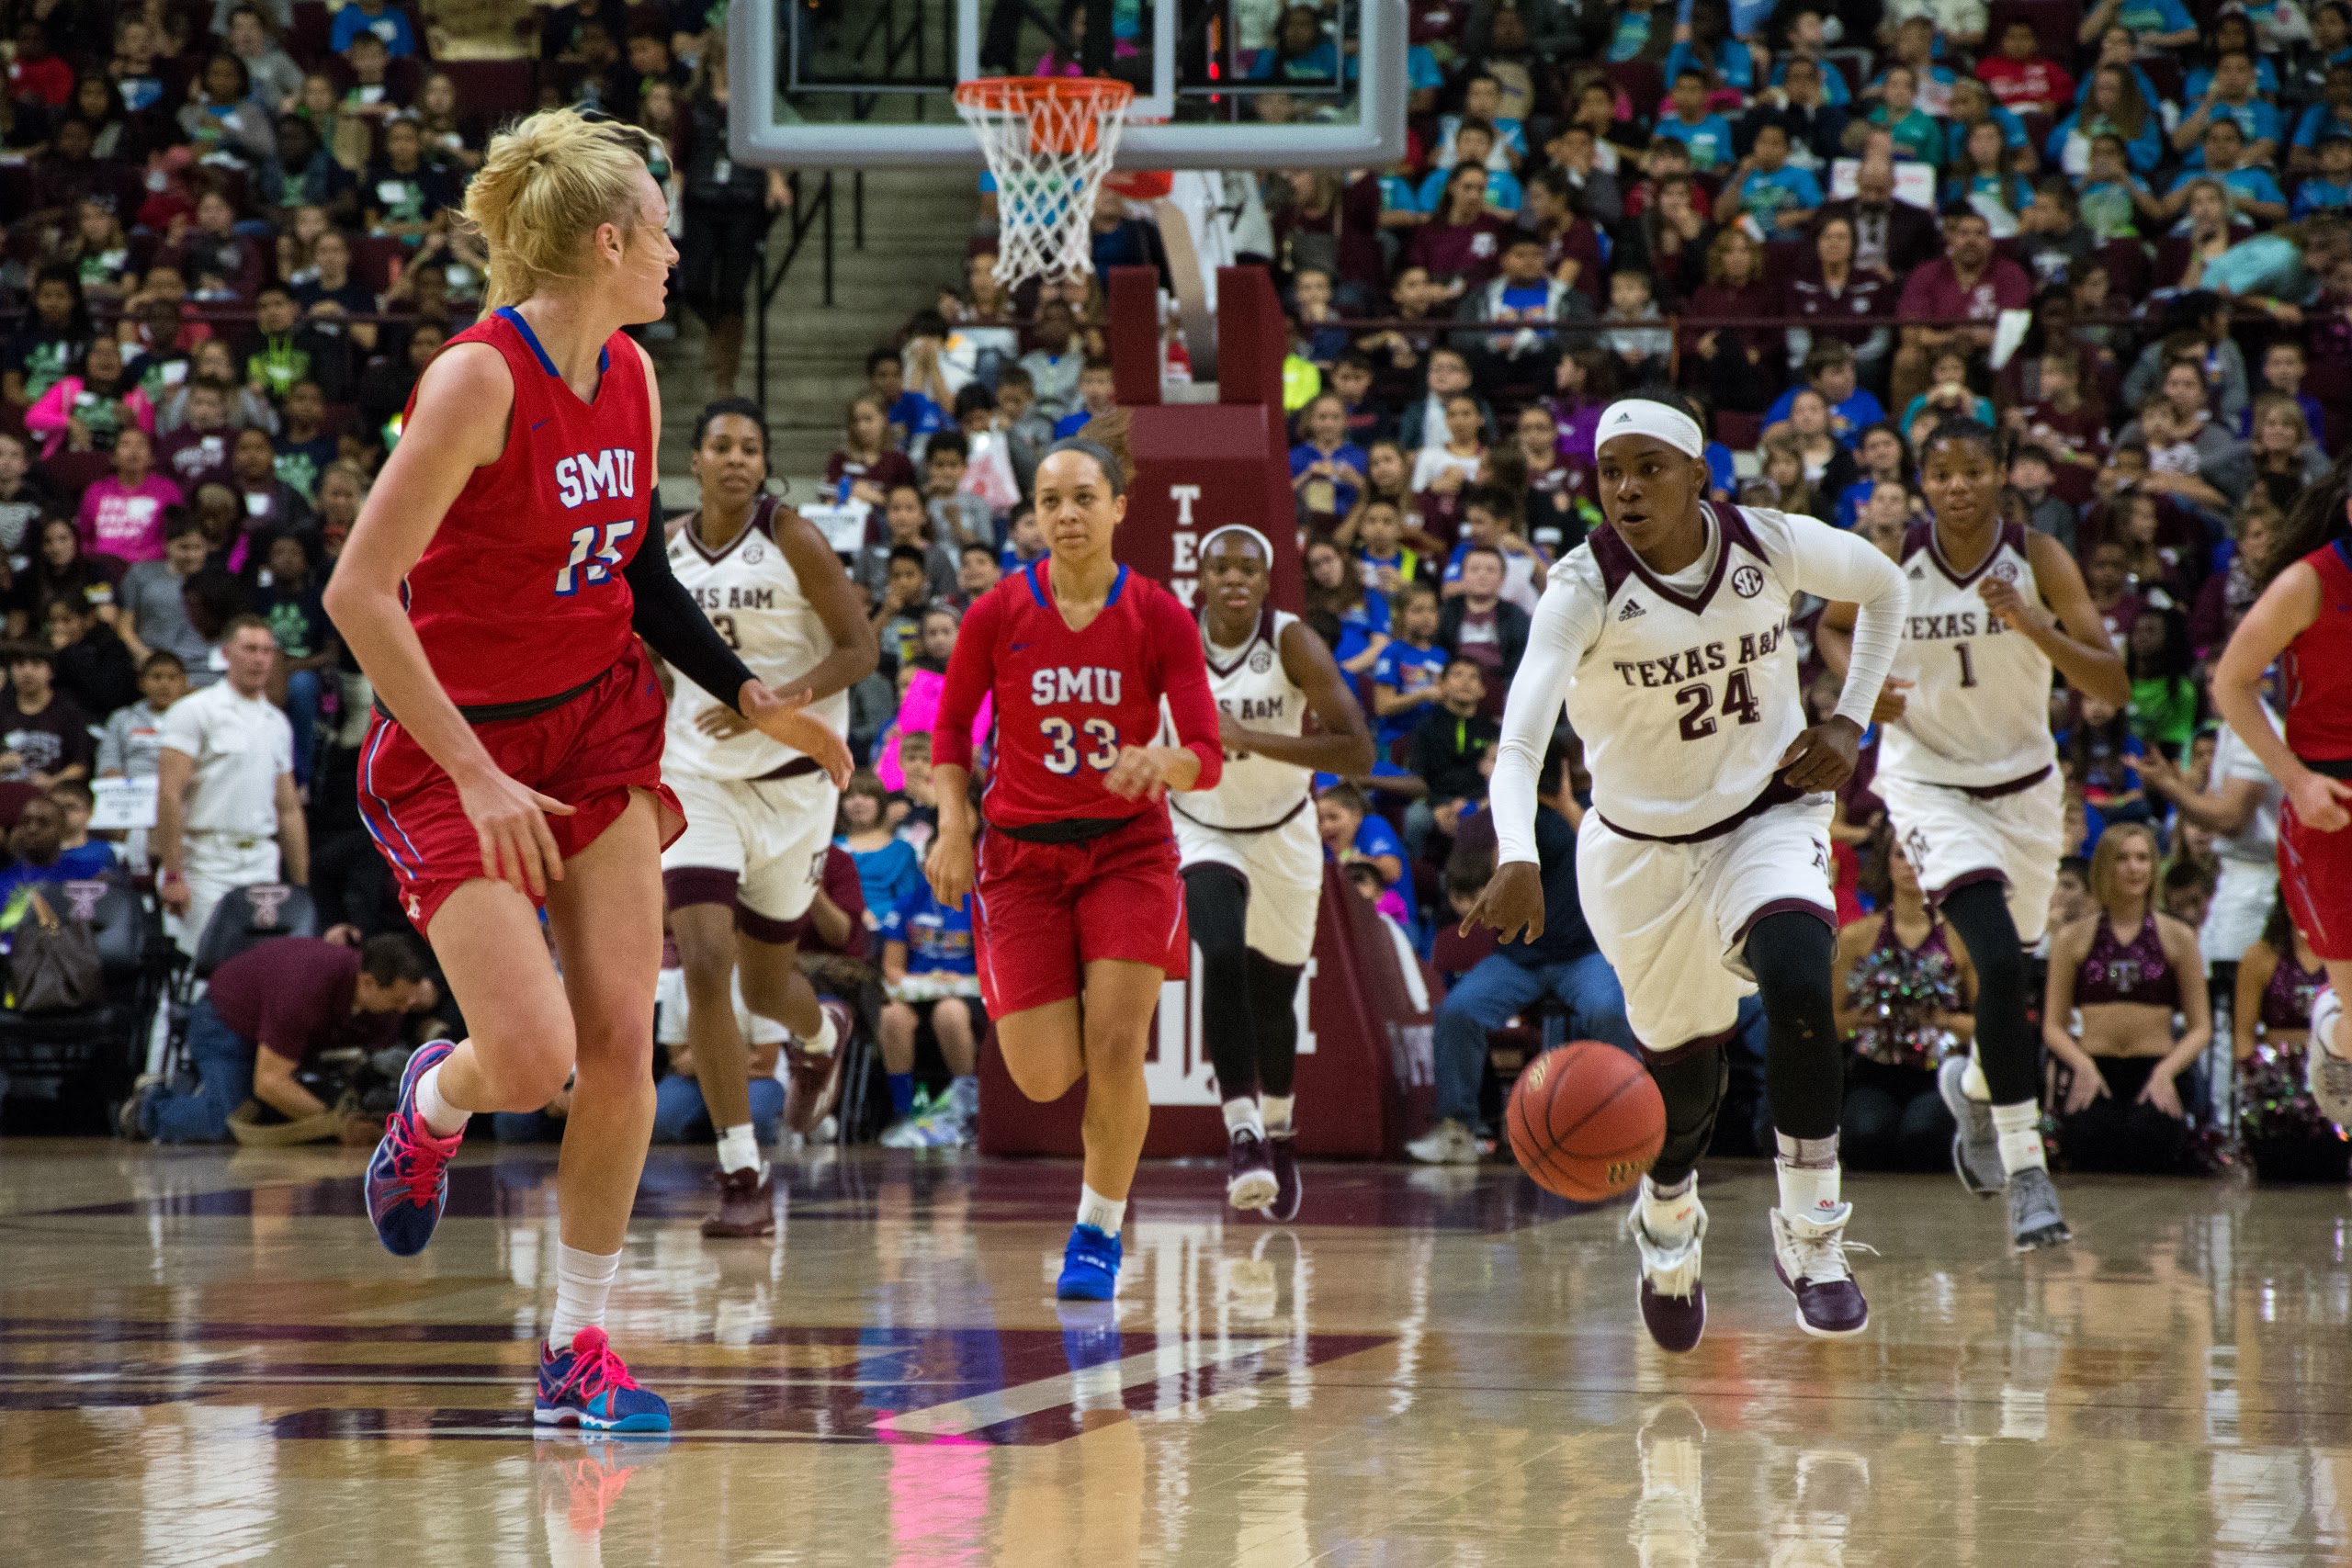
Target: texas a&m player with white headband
(1704, 863)
(1969, 774)
(741, 879)
(1251, 859)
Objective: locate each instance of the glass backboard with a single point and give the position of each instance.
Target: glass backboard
(1219, 83)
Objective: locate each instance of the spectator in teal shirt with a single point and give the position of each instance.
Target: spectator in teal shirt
(1706, 135)
(1778, 195)
(1915, 134)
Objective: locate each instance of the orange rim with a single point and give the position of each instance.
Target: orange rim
(1062, 111)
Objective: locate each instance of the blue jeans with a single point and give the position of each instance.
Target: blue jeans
(223, 1061)
(679, 1116)
(1488, 996)
(302, 713)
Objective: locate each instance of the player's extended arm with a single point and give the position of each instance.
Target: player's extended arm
(971, 671)
(1184, 681)
(1838, 567)
(1343, 742)
(2069, 630)
(856, 650)
(2286, 610)
(464, 404)
(1833, 637)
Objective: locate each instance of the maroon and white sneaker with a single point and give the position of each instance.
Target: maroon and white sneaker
(815, 1079)
(1809, 1256)
(1674, 1304)
(1283, 1149)
(746, 1205)
(1249, 1171)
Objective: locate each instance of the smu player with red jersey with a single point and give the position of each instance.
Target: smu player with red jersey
(1079, 915)
(494, 589)
(2303, 621)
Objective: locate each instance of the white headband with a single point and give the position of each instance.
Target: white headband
(1265, 548)
(1640, 416)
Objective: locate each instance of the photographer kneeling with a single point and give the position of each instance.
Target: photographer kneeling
(267, 1011)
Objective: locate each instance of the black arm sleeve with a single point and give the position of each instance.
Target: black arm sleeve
(674, 626)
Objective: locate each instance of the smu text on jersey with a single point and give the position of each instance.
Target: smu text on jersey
(1096, 684)
(600, 476)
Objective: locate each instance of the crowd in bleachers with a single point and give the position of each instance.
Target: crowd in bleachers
(2111, 232)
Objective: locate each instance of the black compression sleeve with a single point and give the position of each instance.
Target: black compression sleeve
(674, 626)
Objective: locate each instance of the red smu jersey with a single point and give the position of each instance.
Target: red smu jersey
(1065, 701)
(519, 596)
(2318, 665)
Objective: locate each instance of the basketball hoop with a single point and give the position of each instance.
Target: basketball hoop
(1049, 141)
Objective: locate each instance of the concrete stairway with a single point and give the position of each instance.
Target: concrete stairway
(918, 226)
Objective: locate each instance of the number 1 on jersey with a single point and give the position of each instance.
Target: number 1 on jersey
(1967, 665)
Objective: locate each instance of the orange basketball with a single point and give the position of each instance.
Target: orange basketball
(1585, 1120)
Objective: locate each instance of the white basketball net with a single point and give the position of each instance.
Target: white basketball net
(1049, 142)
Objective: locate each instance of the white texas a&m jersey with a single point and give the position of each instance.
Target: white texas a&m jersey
(754, 599)
(1685, 693)
(1978, 713)
(1250, 683)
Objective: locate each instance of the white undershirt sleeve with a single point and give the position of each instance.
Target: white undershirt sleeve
(1835, 565)
(1567, 622)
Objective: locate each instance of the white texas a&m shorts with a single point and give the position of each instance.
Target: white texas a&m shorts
(1673, 918)
(1953, 837)
(1283, 867)
(770, 835)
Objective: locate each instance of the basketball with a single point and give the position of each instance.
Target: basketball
(1585, 1120)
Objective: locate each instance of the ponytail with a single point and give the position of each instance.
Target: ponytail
(546, 185)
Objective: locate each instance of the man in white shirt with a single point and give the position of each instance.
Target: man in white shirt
(2239, 806)
(226, 809)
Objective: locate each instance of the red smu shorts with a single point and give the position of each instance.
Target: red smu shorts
(1043, 912)
(2315, 874)
(588, 752)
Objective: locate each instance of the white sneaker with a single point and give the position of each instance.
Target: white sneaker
(1809, 1256)
(1448, 1143)
(2328, 1076)
(1673, 1303)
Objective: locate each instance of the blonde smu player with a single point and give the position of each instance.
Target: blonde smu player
(1969, 777)
(740, 880)
(1704, 860)
(1251, 860)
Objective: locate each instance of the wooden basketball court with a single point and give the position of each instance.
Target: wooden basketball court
(206, 1359)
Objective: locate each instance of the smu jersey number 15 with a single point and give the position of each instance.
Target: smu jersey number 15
(520, 596)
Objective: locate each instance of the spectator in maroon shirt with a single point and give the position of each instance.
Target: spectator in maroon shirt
(1462, 245)
(1735, 366)
(1970, 283)
(267, 1013)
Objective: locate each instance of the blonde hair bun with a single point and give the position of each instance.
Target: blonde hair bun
(547, 182)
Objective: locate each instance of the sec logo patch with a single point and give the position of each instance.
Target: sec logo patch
(1748, 582)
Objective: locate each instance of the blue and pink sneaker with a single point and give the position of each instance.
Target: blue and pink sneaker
(408, 1178)
(588, 1386)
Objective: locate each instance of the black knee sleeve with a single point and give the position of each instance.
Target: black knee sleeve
(1804, 1062)
(1217, 906)
(1691, 1081)
(1273, 1017)
(2006, 1047)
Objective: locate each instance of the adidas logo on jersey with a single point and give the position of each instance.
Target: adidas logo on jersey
(1633, 611)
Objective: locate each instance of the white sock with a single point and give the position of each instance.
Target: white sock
(739, 1149)
(1972, 1082)
(1668, 1213)
(1243, 1114)
(1102, 1214)
(821, 1044)
(582, 1281)
(446, 1121)
(1809, 1177)
(1277, 1108)
(2019, 1126)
